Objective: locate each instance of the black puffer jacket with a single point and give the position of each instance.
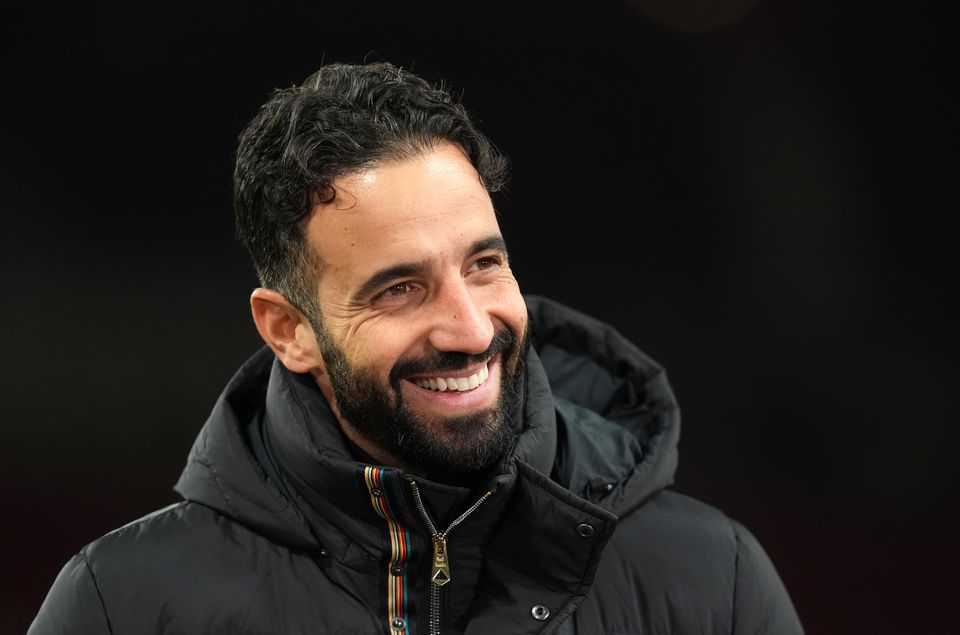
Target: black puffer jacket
(282, 531)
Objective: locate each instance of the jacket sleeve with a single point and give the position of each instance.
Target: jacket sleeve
(761, 605)
(73, 604)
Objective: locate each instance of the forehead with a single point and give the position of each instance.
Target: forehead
(428, 207)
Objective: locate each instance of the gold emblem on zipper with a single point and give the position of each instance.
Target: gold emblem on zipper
(441, 566)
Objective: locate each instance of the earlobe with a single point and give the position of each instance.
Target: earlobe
(283, 328)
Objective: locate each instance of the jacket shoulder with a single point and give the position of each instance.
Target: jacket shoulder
(73, 604)
(166, 568)
(171, 547)
(180, 521)
(159, 544)
(712, 571)
(692, 540)
(76, 601)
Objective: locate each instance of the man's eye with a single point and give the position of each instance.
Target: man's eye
(397, 292)
(399, 289)
(488, 261)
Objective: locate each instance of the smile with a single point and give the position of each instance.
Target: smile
(454, 384)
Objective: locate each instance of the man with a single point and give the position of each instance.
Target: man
(419, 448)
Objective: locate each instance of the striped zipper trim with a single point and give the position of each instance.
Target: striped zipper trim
(397, 592)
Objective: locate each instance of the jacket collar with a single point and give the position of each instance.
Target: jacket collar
(328, 484)
(327, 504)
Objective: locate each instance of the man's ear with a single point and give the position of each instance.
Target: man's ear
(285, 330)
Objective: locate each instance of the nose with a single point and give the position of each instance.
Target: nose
(461, 323)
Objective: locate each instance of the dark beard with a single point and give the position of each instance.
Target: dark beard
(455, 450)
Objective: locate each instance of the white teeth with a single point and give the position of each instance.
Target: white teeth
(459, 384)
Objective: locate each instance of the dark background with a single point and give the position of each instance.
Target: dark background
(759, 194)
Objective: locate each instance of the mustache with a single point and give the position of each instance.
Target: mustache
(441, 362)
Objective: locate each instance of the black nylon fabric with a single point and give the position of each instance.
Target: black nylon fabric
(582, 524)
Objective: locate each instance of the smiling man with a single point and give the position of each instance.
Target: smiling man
(419, 448)
(420, 341)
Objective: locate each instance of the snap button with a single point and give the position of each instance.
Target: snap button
(540, 612)
(376, 492)
(585, 530)
(396, 570)
(398, 623)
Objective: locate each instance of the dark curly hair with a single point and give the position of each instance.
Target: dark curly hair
(341, 119)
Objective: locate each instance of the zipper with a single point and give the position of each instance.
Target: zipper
(440, 571)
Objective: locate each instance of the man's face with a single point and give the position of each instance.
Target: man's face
(424, 327)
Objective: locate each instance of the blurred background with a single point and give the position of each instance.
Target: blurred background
(757, 193)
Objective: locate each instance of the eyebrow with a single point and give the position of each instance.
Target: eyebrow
(493, 241)
(406, 269)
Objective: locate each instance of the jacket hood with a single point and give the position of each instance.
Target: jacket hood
(618, 422)
(222, 472)
(596, 408)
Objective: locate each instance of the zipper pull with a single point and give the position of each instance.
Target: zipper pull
(441, 566)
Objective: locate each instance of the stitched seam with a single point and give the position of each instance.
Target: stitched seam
(300, 405)
(96, 586)
(543, 488)
(218, 483)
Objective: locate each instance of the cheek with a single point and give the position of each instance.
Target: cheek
(510, 306)
(363, 340)
(377, 348)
